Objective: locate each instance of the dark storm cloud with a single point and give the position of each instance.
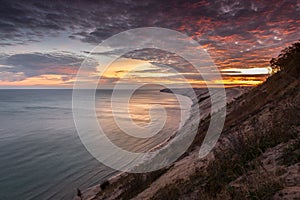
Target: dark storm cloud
(93, 21)
(231, 30)
(21, 66)
(89, 21)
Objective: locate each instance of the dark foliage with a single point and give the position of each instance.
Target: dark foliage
(287, 57)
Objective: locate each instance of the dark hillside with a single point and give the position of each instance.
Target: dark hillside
(256, 157)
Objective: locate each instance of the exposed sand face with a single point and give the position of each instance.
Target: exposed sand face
(190, 164)
(187, 103)
(184, 167)
(250, 119)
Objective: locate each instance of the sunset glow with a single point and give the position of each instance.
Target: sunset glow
(149, 99)
(249, 71)
(241, 39)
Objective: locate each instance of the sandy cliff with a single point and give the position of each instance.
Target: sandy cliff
(256, 157)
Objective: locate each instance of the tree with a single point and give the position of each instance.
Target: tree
(287, 56)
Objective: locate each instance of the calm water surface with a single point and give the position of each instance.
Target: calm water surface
(41, 155)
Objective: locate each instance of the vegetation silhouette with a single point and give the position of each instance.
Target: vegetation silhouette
(288, 60)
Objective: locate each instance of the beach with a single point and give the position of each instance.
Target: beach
(127, 178)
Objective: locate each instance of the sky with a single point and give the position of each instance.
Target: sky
(43, 43)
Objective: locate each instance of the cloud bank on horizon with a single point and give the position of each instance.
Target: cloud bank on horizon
(44, 42)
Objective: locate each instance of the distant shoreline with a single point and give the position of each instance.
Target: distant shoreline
(91, 192)
(203, 94)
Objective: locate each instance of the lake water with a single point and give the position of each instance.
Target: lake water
(41, 155)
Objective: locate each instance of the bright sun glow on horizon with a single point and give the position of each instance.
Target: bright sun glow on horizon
(247, 71)
(134, 70)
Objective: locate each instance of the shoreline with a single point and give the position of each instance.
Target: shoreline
(121, 181)
(182, 121)
(91, 192)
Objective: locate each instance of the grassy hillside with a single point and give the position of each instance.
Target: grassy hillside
(257, 156)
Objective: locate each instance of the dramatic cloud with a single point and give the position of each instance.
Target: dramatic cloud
(236, 33)
(93, 21)
(21, 66)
